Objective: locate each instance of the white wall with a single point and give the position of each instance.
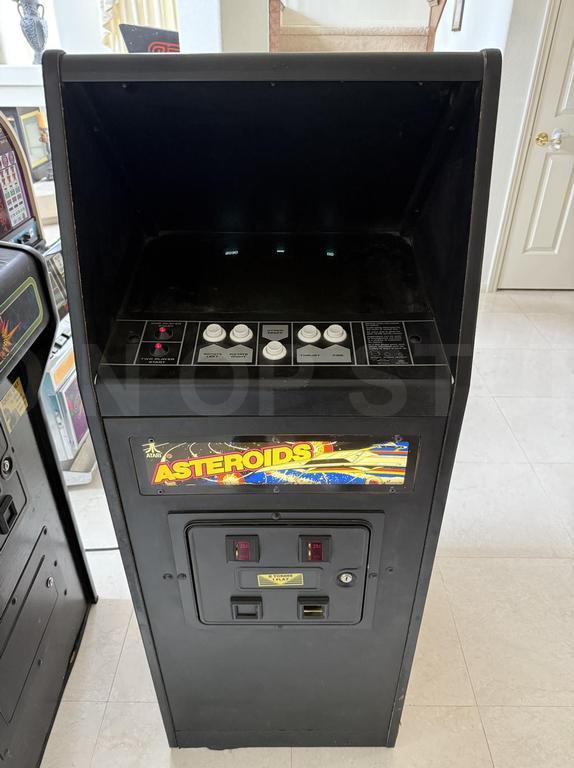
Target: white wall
(199, 26)
(515, 28)
(484, 25)
(245, 25)
(356, 13)
(80, 26)
(231, 26)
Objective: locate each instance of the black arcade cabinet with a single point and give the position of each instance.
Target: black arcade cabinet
(45, 589)
(273, 266)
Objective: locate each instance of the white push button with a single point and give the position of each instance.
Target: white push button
(335, 334)
(214, 332)
(274, 350)
(241, 333)
(309, 334)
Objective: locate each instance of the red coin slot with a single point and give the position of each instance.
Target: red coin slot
(315, 549)
(242, 549)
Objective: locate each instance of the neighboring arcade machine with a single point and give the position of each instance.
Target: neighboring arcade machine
(31, 127)
(60, 391)
(274, 353)
(19, 219)
(45, 588)
(20, 223)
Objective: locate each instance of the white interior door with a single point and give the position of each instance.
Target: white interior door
(540, 250)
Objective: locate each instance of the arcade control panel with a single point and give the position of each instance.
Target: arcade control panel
(274, 343)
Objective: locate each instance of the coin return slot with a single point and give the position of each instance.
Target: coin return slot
(8, 515)
(246, 608)
(313, 609)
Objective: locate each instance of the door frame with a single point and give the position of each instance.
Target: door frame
(539, 75)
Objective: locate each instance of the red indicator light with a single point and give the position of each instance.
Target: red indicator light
(157, 345)
(315, 551)
(242, 549)
(162, 329)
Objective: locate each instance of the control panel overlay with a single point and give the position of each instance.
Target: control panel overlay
(288, 343)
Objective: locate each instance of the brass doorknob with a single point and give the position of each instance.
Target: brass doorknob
(554, 141)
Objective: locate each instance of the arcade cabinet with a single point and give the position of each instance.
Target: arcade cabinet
(19, 219)
(274, 319)
(20, 223)
(45, 589)
(60, 391)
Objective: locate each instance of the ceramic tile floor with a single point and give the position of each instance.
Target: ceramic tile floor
(493, 679)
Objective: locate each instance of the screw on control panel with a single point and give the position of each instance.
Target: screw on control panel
(6, 466)
(50, 582)
(346, 578)
(168, 576)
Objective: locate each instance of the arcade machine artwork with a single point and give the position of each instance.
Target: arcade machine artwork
(274, 355)
(20, 223)
(300, 462)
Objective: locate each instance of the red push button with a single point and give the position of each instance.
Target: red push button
(159, 349)
(163, 332)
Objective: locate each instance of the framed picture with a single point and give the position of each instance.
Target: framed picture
(457, 15)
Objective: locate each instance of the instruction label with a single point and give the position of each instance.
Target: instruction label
(387, 343)
(280, 580)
